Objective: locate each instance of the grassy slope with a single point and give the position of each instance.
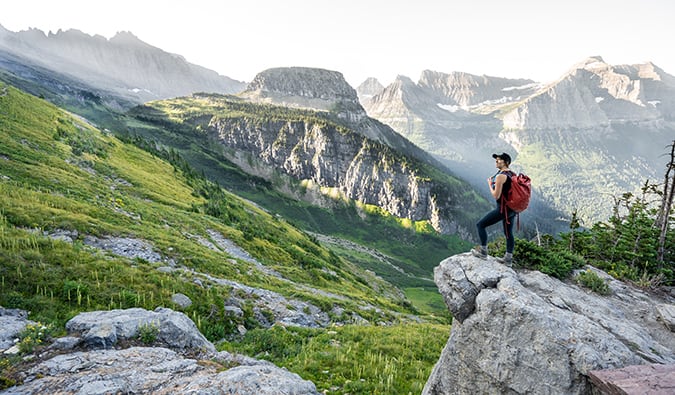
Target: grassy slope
(416, 252)
(58, 173)
(175, 123)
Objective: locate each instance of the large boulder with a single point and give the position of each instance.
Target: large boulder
(525, 332)
(12, 322)
(157, 370)
(102, 329)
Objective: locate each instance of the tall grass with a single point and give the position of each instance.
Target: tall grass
(352, 359)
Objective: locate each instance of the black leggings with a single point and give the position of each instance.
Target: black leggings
(492, 218)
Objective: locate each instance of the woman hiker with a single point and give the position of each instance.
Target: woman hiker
(499, 185)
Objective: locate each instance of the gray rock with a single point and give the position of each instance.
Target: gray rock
(66, 343)
(181, 300)
(12, 323)
(124, 246)
(262, 380)
(526, 332)
(174, 328)
(103, 335)
(666, 314)
(157, 371)
(234, 311)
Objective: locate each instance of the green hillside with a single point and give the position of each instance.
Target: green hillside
(61, 176)
(412, 248)
(59, 173)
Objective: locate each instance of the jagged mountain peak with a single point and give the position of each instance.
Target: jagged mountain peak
(369, 88)
(464, 89)
(398, 88)
(594, 93)
(402, 79)
(591, 61)
(127, 38)
(370, 85)
(596, 65)
(394, 92)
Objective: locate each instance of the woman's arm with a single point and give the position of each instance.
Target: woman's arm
(500, 179)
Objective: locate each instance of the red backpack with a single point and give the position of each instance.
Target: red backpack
(518, 197)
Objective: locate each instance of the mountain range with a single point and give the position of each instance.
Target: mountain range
(596, 132)
(123, 65)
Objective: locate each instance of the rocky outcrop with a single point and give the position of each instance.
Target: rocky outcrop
(181, 362)
(306, 87)
(12, 322)
(525, 332)
(326, 91)
(103, 329)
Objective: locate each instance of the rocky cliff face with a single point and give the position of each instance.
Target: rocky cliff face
(326, 91)
(352, 156)
(343, 163)
(524, 332)
(123, 64)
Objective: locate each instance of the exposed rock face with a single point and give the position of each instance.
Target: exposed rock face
(466, 89)
(524, 332)
(325, 90)
(157, 371)
(123, 64)
(187, 364)
(355, 167)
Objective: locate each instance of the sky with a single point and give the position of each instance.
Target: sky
(535, 39)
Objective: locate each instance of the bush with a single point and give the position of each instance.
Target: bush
(33, 336)
(148, 332)
(591, 280)
(546, 259)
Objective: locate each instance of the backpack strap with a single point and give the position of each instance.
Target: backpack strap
(502, 204)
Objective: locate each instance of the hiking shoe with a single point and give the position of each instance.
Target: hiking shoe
(508, 261)
(479, 252)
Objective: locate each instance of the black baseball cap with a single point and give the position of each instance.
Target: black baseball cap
(504, 156)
